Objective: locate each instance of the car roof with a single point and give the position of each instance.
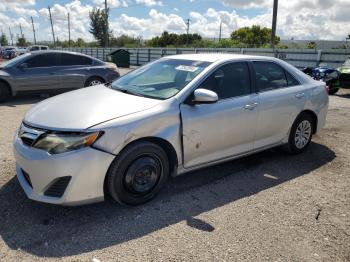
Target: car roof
(61, 52)
(214, 57)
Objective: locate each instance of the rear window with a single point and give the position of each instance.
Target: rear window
(70, 60)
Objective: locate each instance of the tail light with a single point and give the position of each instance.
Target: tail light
(327, 88)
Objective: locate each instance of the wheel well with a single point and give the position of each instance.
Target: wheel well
(314, 117)
(7, 85)
(91, 77)
(167, 147)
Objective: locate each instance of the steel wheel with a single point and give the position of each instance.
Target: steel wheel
(143, 174)
(303, 134)
(138, 173)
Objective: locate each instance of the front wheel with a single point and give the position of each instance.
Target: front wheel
(138, 173)
(300, 134)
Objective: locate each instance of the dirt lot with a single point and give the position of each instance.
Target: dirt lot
(266, 207)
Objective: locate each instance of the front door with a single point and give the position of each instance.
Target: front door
(39, 73)
(213, 132)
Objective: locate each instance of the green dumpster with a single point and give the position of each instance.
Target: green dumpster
(120, 57)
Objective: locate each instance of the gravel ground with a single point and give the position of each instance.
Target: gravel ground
(267, 207)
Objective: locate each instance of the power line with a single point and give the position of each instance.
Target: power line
(187, 29)
(20, 28)
(106, 26)
(11, 36)
(53, 32)
(68, 29)
(33, 30)
(274, 22)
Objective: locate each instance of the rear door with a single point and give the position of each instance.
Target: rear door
(213, 132)
(74, 70)
(281, 98)
(39, 73)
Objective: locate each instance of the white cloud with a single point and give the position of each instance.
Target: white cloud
(149, 2)
(79, 20)
(111, 3)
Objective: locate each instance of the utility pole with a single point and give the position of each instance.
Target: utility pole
(53, 32)
(20, 28)
(106, 27)
(187, 28)
(274, 22)
(11, 36)
(68, 30)
(33, 30)
(220, 31)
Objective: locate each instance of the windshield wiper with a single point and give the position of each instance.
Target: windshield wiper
(126, 91)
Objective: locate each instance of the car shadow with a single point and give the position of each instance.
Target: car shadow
(23, 100)
(54, 231)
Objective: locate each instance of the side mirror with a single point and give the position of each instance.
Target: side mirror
(204, 96)
(23, 66)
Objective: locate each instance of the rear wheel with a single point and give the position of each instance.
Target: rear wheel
(138, 173)
(93, 81)
(5, 93)
(333, 90)
(301, 134)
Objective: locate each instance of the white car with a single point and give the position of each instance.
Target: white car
(171, 116)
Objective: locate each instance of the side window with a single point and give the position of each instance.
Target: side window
(269, 76)
(34, 48)
(291, 80)
(43, 60)
(230, 80)
(71, 60)
(43, 48)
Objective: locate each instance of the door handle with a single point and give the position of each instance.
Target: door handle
(250, 106)
(299, 95)
(52, 73)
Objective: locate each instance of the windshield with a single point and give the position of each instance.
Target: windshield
(14, 61)
(161, 79)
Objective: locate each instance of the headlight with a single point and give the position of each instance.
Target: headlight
(60, 143)
(322, 74)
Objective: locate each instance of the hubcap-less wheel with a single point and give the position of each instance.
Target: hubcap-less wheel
(142, 175)
(303, 134)
(95, 82)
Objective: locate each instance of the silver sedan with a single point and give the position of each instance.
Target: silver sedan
(168, 117)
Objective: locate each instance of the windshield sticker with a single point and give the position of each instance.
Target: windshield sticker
(187, 68)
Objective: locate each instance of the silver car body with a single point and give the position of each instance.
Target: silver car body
(196, 136)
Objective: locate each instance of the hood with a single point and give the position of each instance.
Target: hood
(85, 107)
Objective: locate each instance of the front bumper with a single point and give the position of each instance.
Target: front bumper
(87, 168)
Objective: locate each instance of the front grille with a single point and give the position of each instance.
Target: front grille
(27, 141)
(27, 178)
(58, 187)
(29, 135)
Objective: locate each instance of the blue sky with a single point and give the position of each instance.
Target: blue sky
(298, 19)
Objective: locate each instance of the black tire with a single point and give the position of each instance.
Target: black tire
(93, 81)
(333, 91)
(293, 147)
(129, 182)
(5, 93)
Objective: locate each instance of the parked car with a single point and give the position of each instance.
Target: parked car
(9, 52)
(344, 71)
(327, 74)
(37, 48)
(171, 116)
(52, 72)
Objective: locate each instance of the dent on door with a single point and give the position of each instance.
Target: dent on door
(216, 131)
